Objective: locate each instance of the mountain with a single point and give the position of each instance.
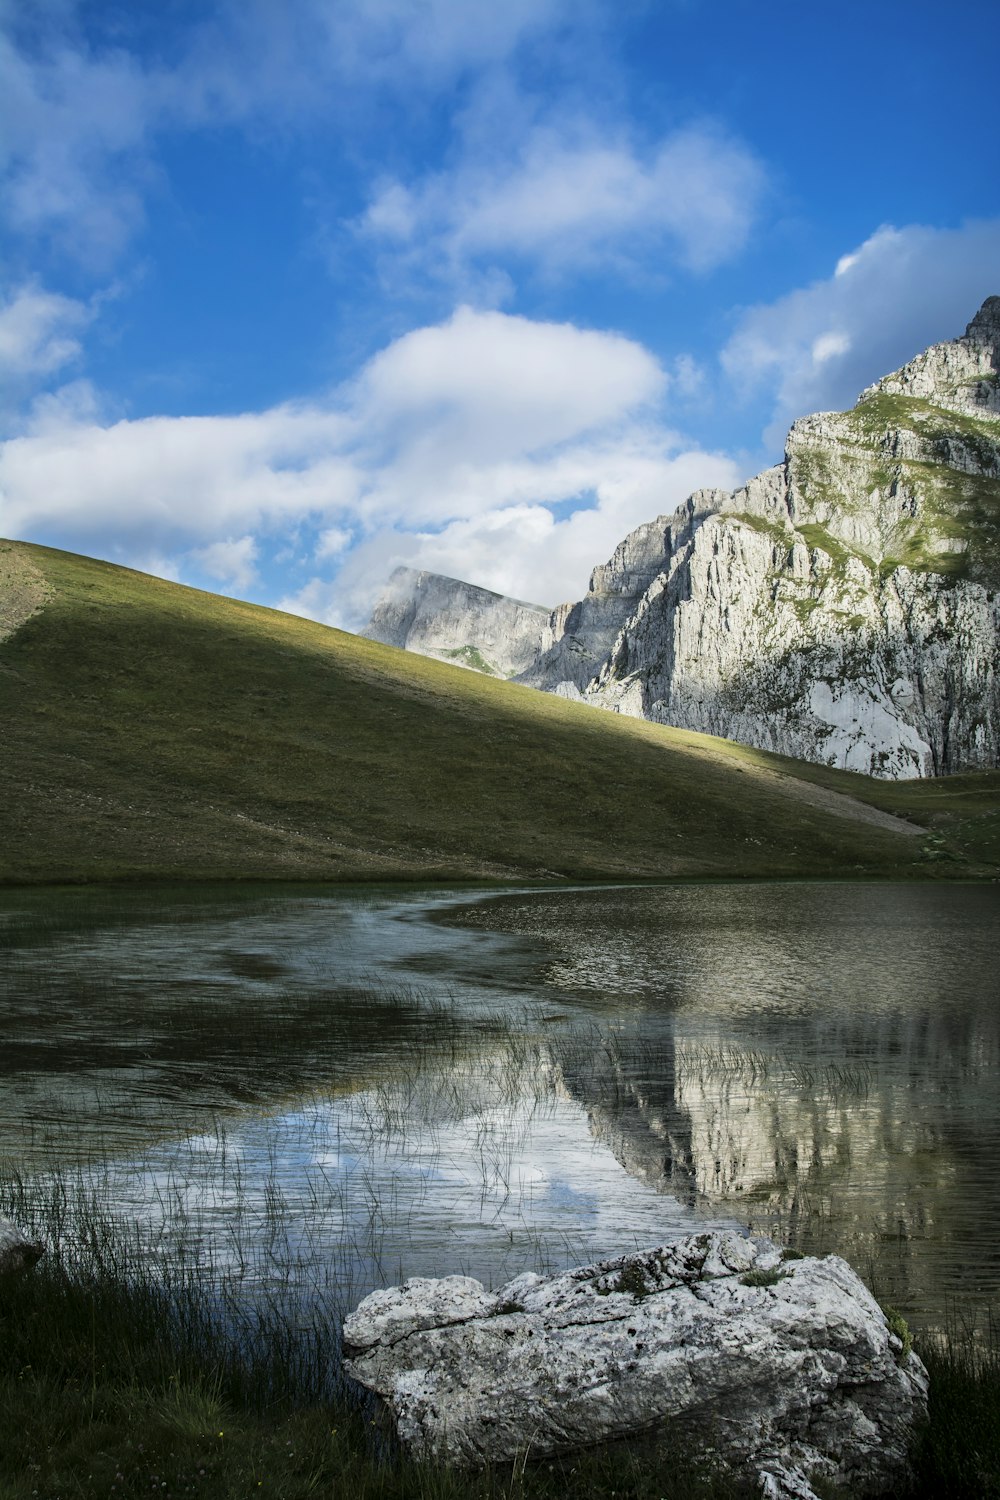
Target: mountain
(460, 623)
(842, 607)
(153, 731)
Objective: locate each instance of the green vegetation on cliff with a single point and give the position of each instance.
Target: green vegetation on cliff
(937, 468)
(153, 731)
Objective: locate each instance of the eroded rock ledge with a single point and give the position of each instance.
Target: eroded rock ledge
(787, 1369)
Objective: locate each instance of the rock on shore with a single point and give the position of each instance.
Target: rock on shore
(17, 1252)
(787, 1369)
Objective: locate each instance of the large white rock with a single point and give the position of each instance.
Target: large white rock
(17, 1252)
(787, 1369)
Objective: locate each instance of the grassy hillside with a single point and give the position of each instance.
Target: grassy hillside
(152, 730)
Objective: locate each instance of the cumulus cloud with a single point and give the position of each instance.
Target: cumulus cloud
(532, 552)
(816, 348)
(529, 549)
(571, 200)
(480, 446)
(332, 542)
(38, 336)
(172, 481)
(480, 393)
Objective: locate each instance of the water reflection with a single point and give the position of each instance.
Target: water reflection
(820, 1061)
(347, 1087)
(136, 1012)
(486, 1167)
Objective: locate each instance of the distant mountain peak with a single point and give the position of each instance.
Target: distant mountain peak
(986, 323)
(959, 374)
(459, 622)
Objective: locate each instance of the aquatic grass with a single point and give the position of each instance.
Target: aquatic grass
(116, 1380)
(315, 1201)
(115, 1383)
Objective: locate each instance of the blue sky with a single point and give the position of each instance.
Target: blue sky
(296, 290)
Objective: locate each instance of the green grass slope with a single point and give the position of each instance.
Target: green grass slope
(150, 730)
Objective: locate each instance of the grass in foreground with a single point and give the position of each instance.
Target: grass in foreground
(152, 730)
(116, 1388)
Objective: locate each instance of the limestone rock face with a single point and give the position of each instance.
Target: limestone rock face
(787, 1369)
(842, 607)
(17, 1252)
(460, 623)
(584, 633)
(961, 375)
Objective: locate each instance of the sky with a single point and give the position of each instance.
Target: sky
(295, 291)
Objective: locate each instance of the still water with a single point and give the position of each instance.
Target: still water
(326, 1090)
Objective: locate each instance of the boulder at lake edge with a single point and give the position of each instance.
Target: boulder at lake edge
(788, 1369)
(17, 1252)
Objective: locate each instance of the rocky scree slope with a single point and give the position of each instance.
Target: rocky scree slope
(842, 607)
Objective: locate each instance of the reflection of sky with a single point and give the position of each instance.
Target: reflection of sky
(819, 1058)
(455, 1174)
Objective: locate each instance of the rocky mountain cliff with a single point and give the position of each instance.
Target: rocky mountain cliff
(460, 622)
(843, 606)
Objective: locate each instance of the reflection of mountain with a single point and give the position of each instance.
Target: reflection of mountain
(640, 1121)
(883, 1158)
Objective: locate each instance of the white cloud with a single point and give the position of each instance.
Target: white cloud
(76, 402)
(83, 117)
(231, 562)
(332, 542)
(816, 348)
(76, 127)
(174, 481)
(37, 335)
(571, 200)
(526, 551)
(485, 388)
(828, 346)
(454, 445)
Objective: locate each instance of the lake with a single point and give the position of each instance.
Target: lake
(314, 1091)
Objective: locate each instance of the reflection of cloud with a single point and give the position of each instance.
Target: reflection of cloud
(478, 1166)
